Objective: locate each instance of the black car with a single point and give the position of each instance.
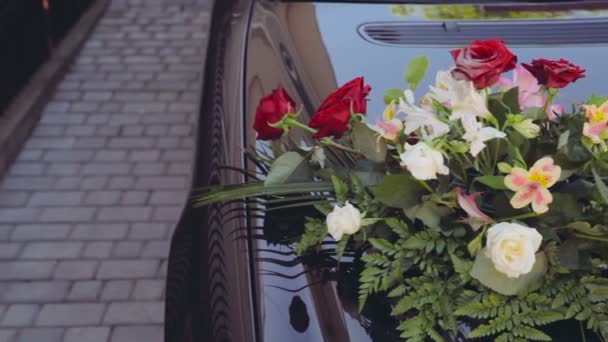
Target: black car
(233, 276)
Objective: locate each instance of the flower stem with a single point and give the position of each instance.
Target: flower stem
(519, 217)
(426, 186)
(552, 93)
(580, 325)
(331, 143)
(295, 123)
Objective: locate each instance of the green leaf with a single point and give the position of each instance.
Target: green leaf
(398, 191)
(430, 214)
(568, 255)
(494, 182)
(484, 271)
(600, 185)
(597, 100)
(461, 266)
(416, 70)
(369, 173)
(563, 139)
(369, 221)
(340, 188)
(393, 94)
(290, 167)
(475, 245)
(368, 142)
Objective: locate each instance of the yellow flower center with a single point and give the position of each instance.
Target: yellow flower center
(512, 248)
(598, 116)
(539, 178)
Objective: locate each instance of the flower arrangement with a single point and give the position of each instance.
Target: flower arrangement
(484, 203)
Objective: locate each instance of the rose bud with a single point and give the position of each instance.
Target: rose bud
(271, 109)
(334, 114)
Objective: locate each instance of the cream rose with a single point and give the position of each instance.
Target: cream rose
(512, 248)
(343, 220)
(423, 161)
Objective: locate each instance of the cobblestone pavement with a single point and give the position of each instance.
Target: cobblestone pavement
(87, 210)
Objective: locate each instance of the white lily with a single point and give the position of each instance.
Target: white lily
(468, 101)
(477, 135)
(417, 118)
(442, 92)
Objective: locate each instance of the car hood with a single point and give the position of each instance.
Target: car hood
(312, 48)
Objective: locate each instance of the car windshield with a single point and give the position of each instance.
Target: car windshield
(392, 34)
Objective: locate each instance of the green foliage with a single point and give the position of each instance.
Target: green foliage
(290, 167)
(393, 94)
(415, 71)
(484, 271)
(398, 191)
(367, 141)
(494, 182)
(315, 231)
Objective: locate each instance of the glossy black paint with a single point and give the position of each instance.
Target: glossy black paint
(232, 273)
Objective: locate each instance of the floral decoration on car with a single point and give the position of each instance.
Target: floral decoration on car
(483, 202)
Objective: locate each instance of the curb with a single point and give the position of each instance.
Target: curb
(22, 115)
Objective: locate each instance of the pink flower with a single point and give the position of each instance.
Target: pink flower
(389, 129)
(555, 111)
(597, 122)
(530, 93)
(532, 186)
(467, 203)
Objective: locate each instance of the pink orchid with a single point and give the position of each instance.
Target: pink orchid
(468, 204)
(597, 122)
(555, 111)
(531, 186)
(388, 129)
(530, 92)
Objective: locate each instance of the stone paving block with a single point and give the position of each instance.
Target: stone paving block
(149, 289)
(63, 169)
(67, 214)
(13, 198)
(69, 155)
(28, 183)
(19, 315)
(85, 291)
(98, 250)
(29, 155)
(151, 333)
(127, 269)
(42, 231)
(134, 313)
(8, 335)
(127, 249)
(55, 199)
(73, 314)
(122, 214)
(110, 155)
(149, 169)
(135, 197)
(18, 215)
(88, 334)
(51, 250)
(167, 214)
(68, 183)
(73, 270)
(27, 169)
(168, 197)
(122, 182)
(160, 183)
(35, 292)
(106, 169)
(100, 231)
(6, 231)
(103, 198)
(156, 249)
(26, 270)
(9, 250)
(180, 168)
(94, 182)
(148, 231)
(41, 334)
(117, 290)
(144, 155)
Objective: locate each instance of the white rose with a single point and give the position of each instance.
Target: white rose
(423, 162)
(343, 220)
(512, 248)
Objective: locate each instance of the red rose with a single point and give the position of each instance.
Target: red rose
(554, 74)
(482, 62)
(271, 109)
(333, 115)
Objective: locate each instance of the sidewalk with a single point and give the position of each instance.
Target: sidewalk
(87, 210)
